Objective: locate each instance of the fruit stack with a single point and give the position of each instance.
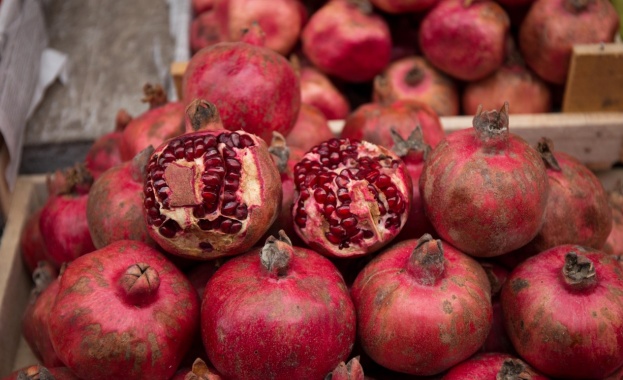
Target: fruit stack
(220, 237)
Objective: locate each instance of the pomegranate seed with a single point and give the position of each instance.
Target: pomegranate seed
(320, 195)
(157, 174)
(301, 212)
(209, 141)
(335, 158)
(158, 221)
(199, 211)
(179, 152)
(341, 181)
(331, 198)
(212, 152)
(229, 208)
(367, 234)
(391, 202)
(382, 209)
(175, 143)
(206, 246)
(373, 190)
(342, 194)
(226, 225)
(210, 179)
(246, 141)
(383, 181)
(390, 191)
(200, 148)
(162, 192)
(300, 221)
(213, 162)
(149, 202)
(349, 223)
(231, 184)
(333, 144)
(343, 211)
(372, 176)
(328, 210)
(159, 183)
(311, 180)
(189, 154)
(324, 178)
(169, 228)
(228, 196)
(332, 238)
(205, 224)
(356, 235)
(153, 212)
(235, 227)
(224, 138)
(218, 171)
(337, 231)
(168, 156)
(333, 222)
(242, 212)
(304, 195)
(228, 153)
(209, 196)
(216, 223)
(235, 139)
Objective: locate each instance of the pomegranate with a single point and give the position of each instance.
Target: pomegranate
(211, 193)
(347, 371)
(39, 372)
(281, 20)
(115, 204)
(413, 152)
(346, 39)
(204, 31)
(497, 340)
(254, 88)
(63, 220)
(465, 39)
(311, 128)
(413, 78)
(318, 91)
(201, 6)
(474, 174)
(143, 328)
(404, 6)
(422, 296)
(37, 314)
(162, 121)
(373, 122)
(292, 319)
(493, 366)
(351, 197)
(552, 27)
(31, 242)
(614, 243)
(106, 151)
(564, 312)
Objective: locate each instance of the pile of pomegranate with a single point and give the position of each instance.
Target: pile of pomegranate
(231, 235)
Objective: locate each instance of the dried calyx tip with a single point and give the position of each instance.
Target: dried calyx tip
(154, 95)
(414, 143)
(545, 147)
(41, 373)
(578, 270)
(347, 371)
(513, 369)
(426, 262)
(576, 6)
(42, 276)
(382, 89)
(280, 150)
(201, 113)
(276, 254)
(414, 76)
(365, 6)
(490, 124)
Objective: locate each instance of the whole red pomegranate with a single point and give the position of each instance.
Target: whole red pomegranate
(115, 203)
(254, 88)
(37, 314)
(31, 242)
(211, 193)
(413, 78)
(63, 220)
(577, 210)
(512, 82)
(422, 296)
(205, 31)
(162, 121)
(124, 311)
(317, 90)
(404, 6)
(292, 319)
(465, 39)
(373, 122)
(311, 128)
(552, 27)
(493, 366)
(106, 150)
(346, 39)
(351, 197)
(484, 188)
(564, 312)
(39, 372)
(614, 243)
(281, 21)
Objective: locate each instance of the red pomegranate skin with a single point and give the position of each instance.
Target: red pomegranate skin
(281, 21)
(566, 330)
(465, 41)
(317, 90)
(293, 321)
(201, 6)
(413, 78)
(552, 27)
(35, 326)
(516, 3)
(36, 372)
(65, 229)
(577, 210)
(103, 330)
(204, 31)
(471, 176)
(347, 40)
(404, 6)
(373, 122)
(614, 243)
(254, 88)
(488, 366)
(422, 319)
(115, 204)
(311, 128)
(31, 242)
(106, 150)
(515, 84)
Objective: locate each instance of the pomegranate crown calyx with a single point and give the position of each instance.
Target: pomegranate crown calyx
(513, 369)
(254, 35)
(415, 142)
(42, 374)
(545, 147)
(276, 254)
(414, 76)
(579, 271)
(426, 263)
(491, 125)
(347, 371)
(280, 150)
(203, 115)
(577, 6)
(154, 95)
(140, 282)
(200, 371)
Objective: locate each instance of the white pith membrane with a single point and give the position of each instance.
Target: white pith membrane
(373, 227)
(183, 193)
